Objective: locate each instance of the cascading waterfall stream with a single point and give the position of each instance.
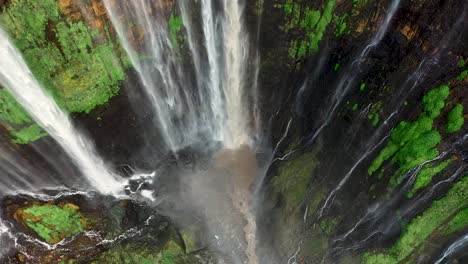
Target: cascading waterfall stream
(214, 107)
(18, 79)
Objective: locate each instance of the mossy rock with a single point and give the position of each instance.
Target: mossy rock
(138, 253)
(52, 222)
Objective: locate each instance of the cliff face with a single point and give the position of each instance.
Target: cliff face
(365, 156)
(363, 103)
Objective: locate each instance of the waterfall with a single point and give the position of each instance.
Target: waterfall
(347, 81)
(454, 248)
(235, 52)
(214, 106)
(19, 81)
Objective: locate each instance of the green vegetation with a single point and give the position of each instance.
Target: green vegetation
(15, 119)
(341, 25)
(336, 67)
(462, 75)
(312, 22)
(52, 222)
(461, 63)
(458, 223)
(424, 177)
(355, 107)
(64, 56)
(11, 111)
(175, 26)
(362, 87)
(375, 119)
(131, 253)
(293, 180)
(414, 142)
(328, 225)
(455, 119)
(79, 68)
(28, 134)
(420, 228)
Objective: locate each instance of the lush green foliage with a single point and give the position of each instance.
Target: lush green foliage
(28, 134)
(424, 177)
(312, 22)
(416, 232)
(413, 143)
(455, 119)
(458, 223)
(293, 180)
(11, 111)
(17, 121)
(52, 222)
(64, 55)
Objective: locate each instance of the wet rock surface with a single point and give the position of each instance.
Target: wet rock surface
(317, 202)
(104, 230)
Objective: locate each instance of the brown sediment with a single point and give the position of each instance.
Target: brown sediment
(243, 168)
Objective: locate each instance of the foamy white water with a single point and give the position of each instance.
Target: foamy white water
(16, 77)
(236, 47)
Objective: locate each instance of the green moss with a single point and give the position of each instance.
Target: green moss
(51, 222)
(175, 26)
(362, 87)
(312, 22)
(341, 25)
(420, 228)
(17, 121)
(28, 134)
(64, 55)
(336, 67)
(129, 254)
(11, 111)
(413, 143)
(458, 223)
(170, 253)
(328, 225)
(461, 63)
(462, 75)
(355, 107)
(293, 180)
(424, 177)
(455, 119)
(375, 118)
(434, 100)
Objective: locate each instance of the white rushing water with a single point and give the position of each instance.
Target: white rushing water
(214, 106)
(16, 77)
(453, 248)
